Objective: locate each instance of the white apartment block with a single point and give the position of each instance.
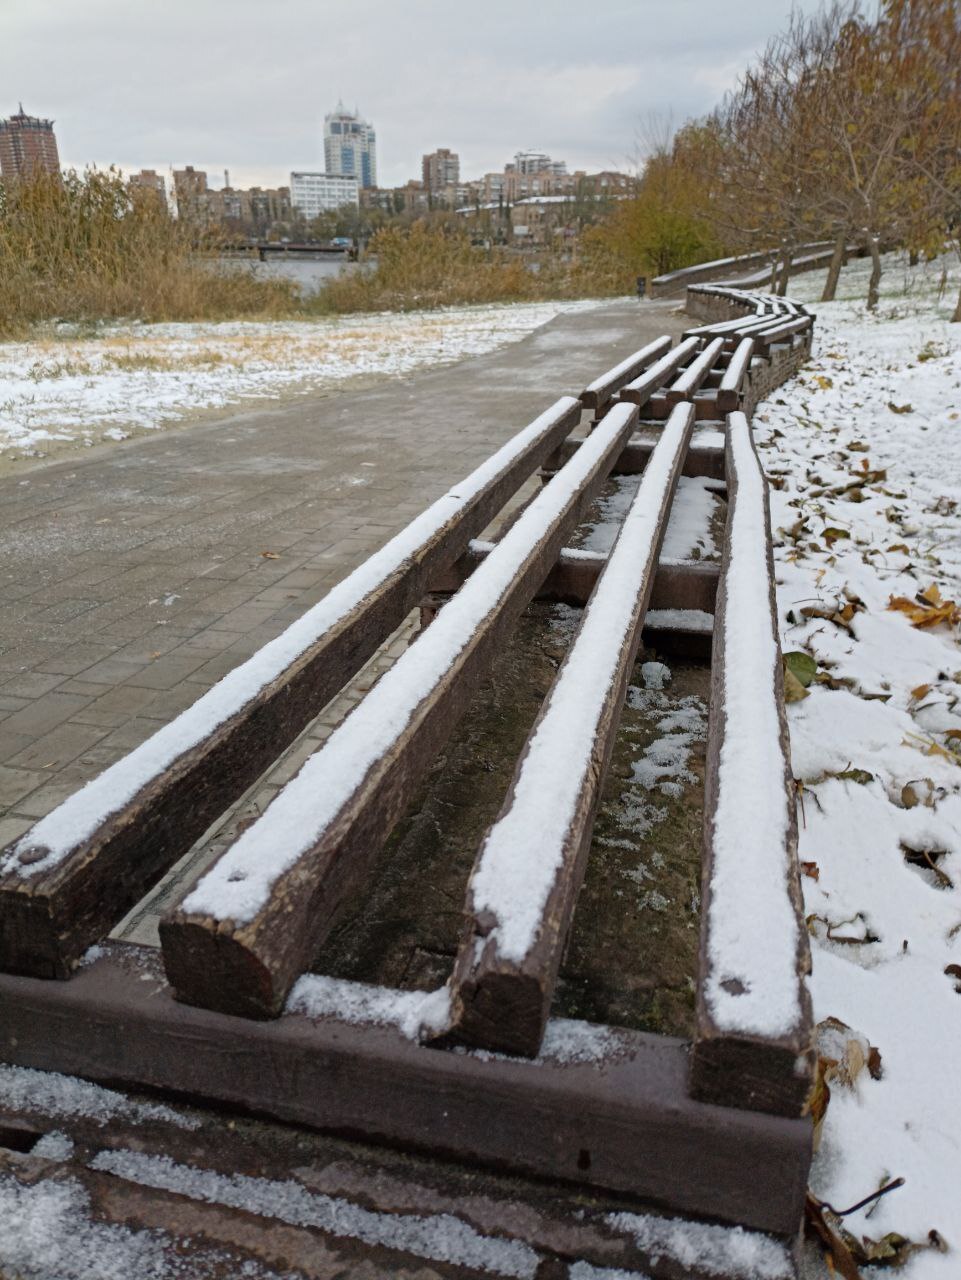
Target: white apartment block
(315, 193)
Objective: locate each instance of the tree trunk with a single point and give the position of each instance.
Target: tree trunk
(785, 275)
(956, 318)
(874, 284)
(914, 258)
(834, 270)
(772, 287)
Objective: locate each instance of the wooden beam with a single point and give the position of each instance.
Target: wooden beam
(732, 384)
(529, 869)
(701, 460)
(600, 391)
(640, 390)
(688, 584)
(690, 379)
(52, 908)
(258, 916)
(618, 1120)
(753, 1045)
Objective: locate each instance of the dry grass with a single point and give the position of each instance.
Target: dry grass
(84, 249)
(424, 266)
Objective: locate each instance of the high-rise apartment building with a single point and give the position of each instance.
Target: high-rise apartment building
(27, 146)
(315, 193)
(350, 147)
(527, 162)
(440, 169)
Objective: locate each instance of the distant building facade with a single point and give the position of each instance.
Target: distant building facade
(315, 193)
(528, 162)
(439, 170)
(27, 146)
(148, 182)
(350, 147)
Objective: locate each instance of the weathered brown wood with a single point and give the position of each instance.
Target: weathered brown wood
(600, 391)
(781, 333)
(622, 1123)
(640, 390)
(677, 584)
(729, 1065)
(500, 995)
(248, 967)
(48, 920)
(700, 461)
(732, 383)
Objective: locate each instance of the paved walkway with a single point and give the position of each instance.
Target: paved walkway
(136, 578)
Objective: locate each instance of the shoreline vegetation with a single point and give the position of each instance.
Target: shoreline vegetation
(84, 249)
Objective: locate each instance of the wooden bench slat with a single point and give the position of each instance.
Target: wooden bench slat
(529, 869)
(732, 383)
(66, 882)
(702, 459)
(639, 391)
(258, 915)
(688, 381)
(753, 1040)
(597, 393)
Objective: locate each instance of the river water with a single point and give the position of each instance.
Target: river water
(309, 273)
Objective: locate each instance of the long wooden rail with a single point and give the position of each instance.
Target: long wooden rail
(252, 924)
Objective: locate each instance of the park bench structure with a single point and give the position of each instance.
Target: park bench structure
(714, 1129)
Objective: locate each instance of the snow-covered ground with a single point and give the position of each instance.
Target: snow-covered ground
(67, 388)
(865, 450)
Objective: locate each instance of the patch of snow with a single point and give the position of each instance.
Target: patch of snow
(47, 1093)
(440, 1237)
(750, 988)
(53, 1146)
(900, 701)
(655, 675)
(87, 389)
(732, 1252)
(688, 534)
(413, 1013)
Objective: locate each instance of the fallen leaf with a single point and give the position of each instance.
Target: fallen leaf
(824, 383)
(900, 408)
(801, 665)
(900, 546)
(811, 870)
(832, 535)
(269, 555)
(794, 690)
(920, 692)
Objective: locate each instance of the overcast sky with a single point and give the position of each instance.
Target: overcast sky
(244, 84)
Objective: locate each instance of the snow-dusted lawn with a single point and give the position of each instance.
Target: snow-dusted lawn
(63, 389)
(865, 446)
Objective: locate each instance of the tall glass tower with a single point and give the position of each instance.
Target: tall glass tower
(350, 146)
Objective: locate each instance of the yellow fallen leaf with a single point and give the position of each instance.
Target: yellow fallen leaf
(920, 692)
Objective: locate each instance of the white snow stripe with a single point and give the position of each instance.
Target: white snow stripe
(659, 372)
(740, 361)
(752, 926)
(695, 373)
(632, 362)
(523, 853)
(240, 883)
(75, 821)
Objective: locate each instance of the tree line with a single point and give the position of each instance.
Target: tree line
(847, 128)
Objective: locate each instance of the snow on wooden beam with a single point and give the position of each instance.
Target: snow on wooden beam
(732, 383)
(753, 1041)
(529, 870)
(781, 332)
(640, 390)
(599, 392)
(691, 378)
(254, 921)
(66, 882)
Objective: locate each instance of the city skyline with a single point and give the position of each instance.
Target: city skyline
(213, 95)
